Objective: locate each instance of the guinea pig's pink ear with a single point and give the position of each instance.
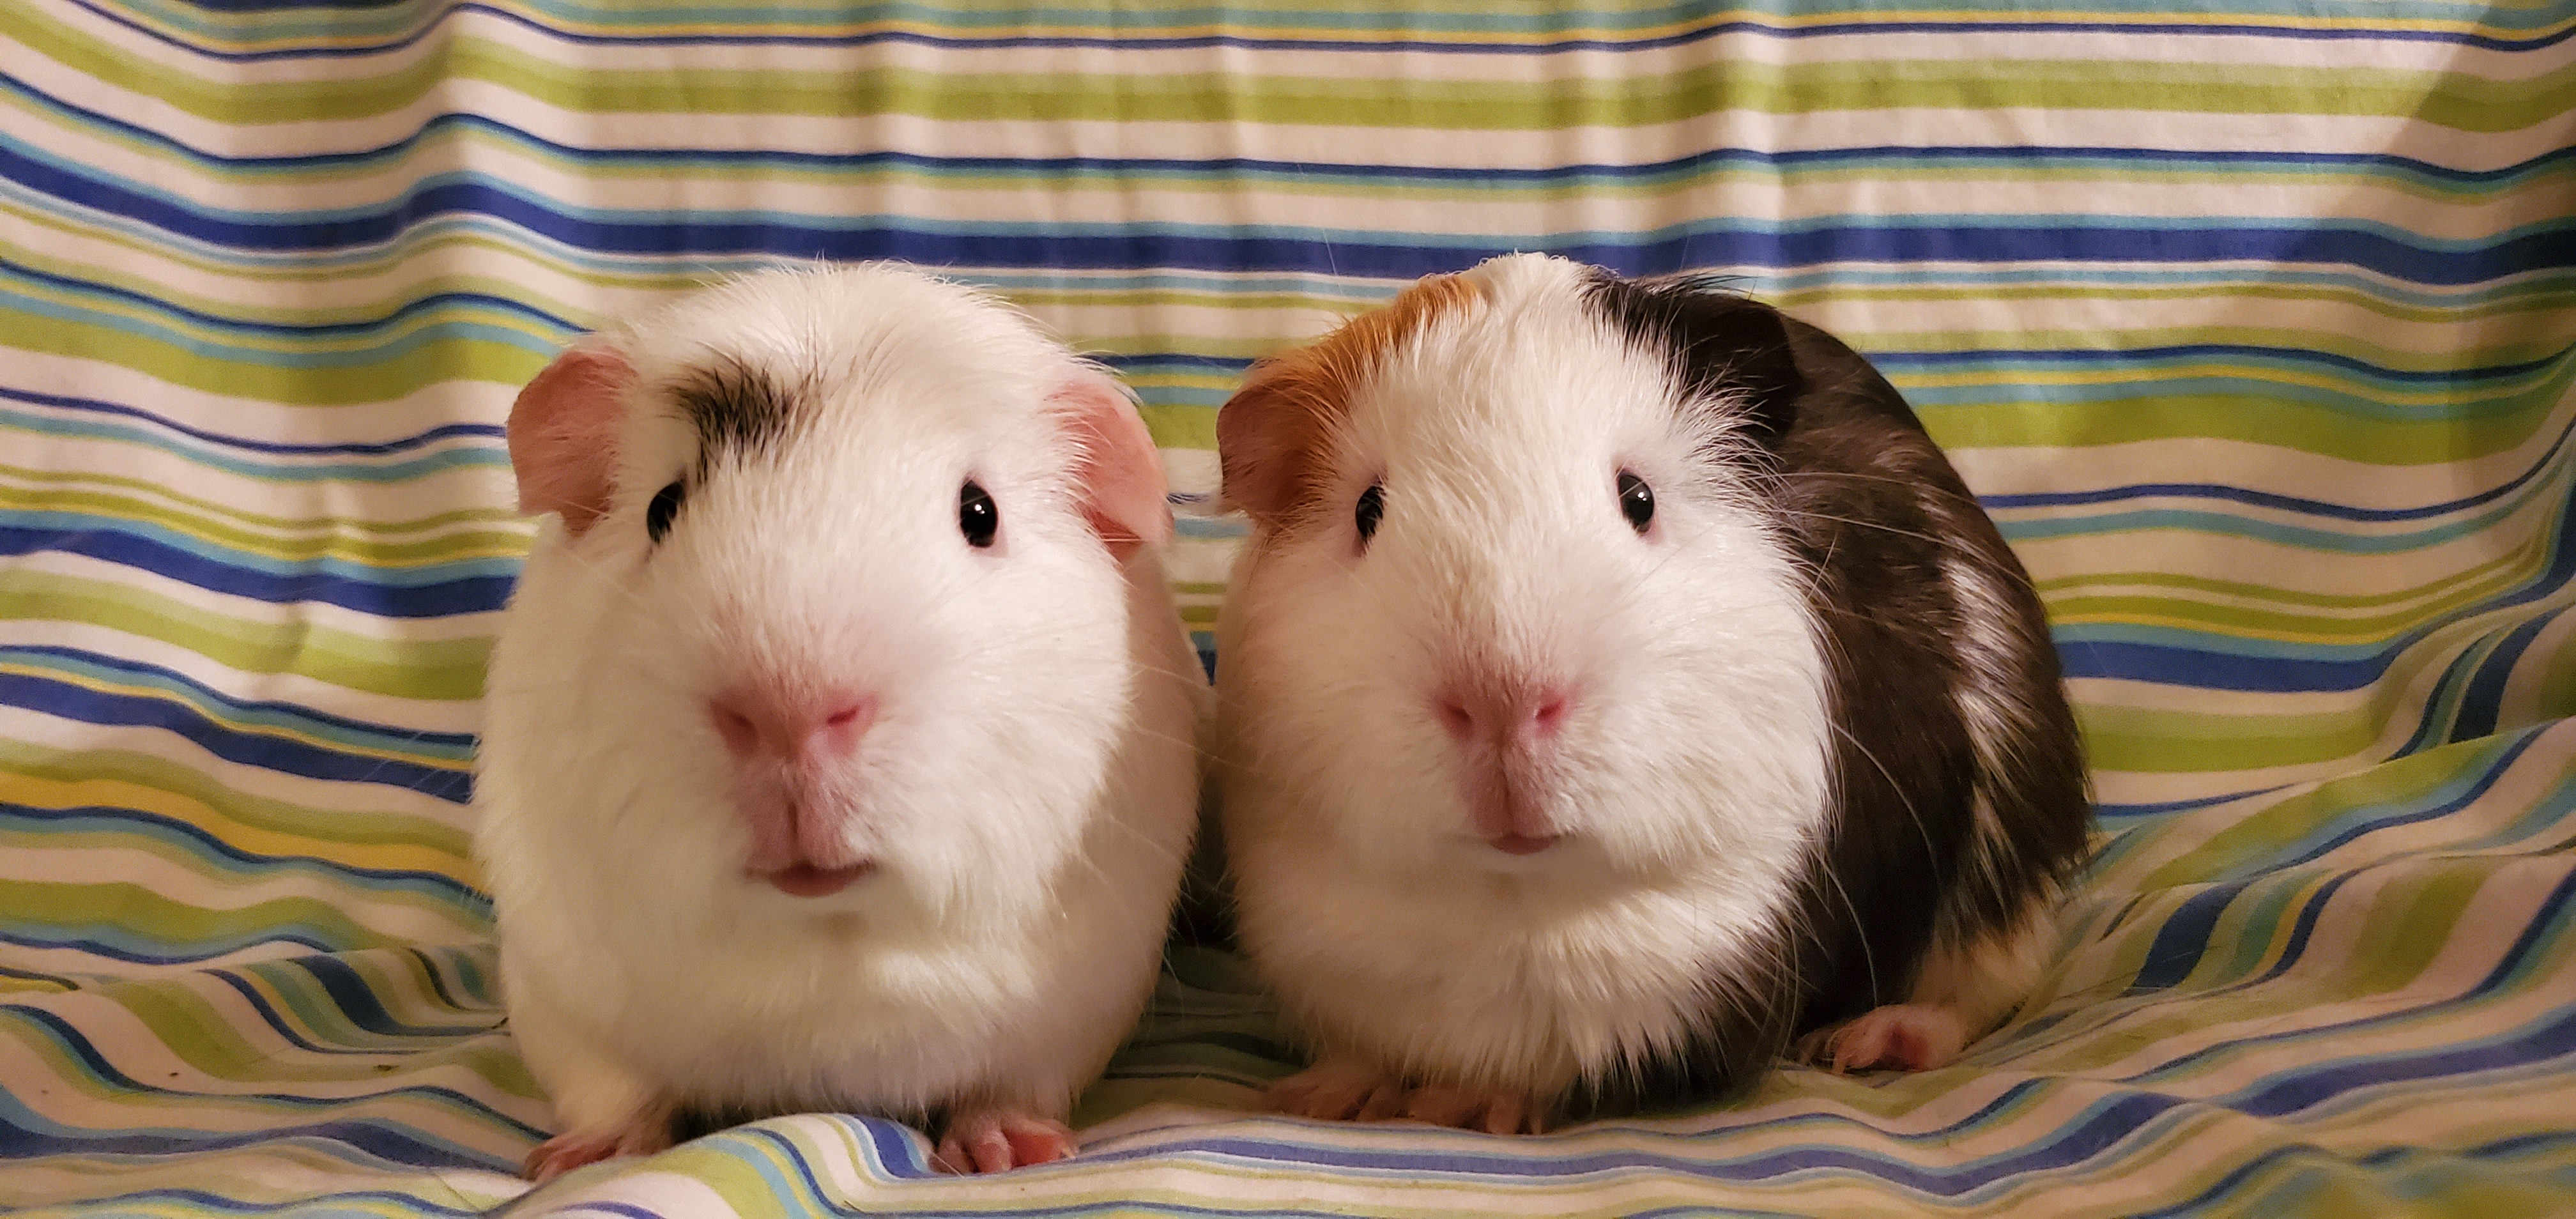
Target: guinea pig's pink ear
(563, 434)
(1261, 435)
(1122, 475)
(1279, 429)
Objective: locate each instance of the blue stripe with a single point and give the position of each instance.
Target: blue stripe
(211, 850)
(355, 1000)
(2179, 943)
(1710, 243)
(2482, 703)
(293, 717)
(462, 456)
(74, 702)
(43, 524)
(1413, 26)
(2246, 355)
(1672, 171)
(370, 1202)
(440, 593)
(386, 448)
(2547, 465)
(434, 309)
(2256, 665)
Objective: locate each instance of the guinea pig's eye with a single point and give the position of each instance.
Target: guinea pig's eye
(1636, 501)
(1372, 506)
(977, 517)
(657, 515)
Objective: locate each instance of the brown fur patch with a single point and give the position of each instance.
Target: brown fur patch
(1275, 436)
(734, 404)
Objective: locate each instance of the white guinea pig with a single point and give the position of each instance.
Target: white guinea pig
(1618, 684)
(839, 749)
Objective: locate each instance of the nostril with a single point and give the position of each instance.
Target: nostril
(1550, 714)
(842, 726)
(741, 736)
(1455, 717)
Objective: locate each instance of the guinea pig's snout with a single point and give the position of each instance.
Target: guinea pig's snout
(767, 723)
(1508, 714)
(784, 742)
(1505, 728)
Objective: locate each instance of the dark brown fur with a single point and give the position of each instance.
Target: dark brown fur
(733, 406)
(1870, 508)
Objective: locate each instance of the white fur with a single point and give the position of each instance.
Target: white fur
(1961, 994)
(1985, 979)
(1695, 763)
(1985, 651)
(1027, 792)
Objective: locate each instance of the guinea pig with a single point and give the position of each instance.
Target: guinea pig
(1618, 687)
(840, 750)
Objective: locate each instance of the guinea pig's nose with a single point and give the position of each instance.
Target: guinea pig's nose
(758, 724)
(1507, 713)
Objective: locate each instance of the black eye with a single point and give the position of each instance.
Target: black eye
(1636, 501)
(1372, 506)
(657, 515)
(977, 518)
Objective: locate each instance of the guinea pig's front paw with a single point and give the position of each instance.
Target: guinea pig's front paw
(1337, 1090)
(1492, 1110)
(1900, 1036)
(992, 1140)
(581, 1148)
(1349, 1090)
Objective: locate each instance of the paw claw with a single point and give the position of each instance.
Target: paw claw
(1332, 1091)
(1350, 1091)
(1511, 1113)
(1901, 1036)
(1441, 1105)
(582, 1148)
(998, 1140)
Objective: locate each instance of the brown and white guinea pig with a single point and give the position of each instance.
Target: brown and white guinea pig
(1618, 684)
(840, 743)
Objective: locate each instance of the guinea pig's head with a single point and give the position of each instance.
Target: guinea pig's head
(847, 549)
(1515, 599)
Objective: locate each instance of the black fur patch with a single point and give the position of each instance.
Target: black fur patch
(1871, 510)
(1721, 343)
(734, 406)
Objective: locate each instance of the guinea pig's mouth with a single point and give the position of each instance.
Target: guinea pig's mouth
(1522, 844)
(808, 880)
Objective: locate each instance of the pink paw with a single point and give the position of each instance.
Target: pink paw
(1338, 1090)
(993, 1140)
(582, 1148)
(1492, 1110)
(1900, 1036)
(1343, 1090)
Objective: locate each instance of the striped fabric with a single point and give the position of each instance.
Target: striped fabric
(2255, 321)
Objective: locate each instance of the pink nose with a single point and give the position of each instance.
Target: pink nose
(765, 723)
(1505, 713)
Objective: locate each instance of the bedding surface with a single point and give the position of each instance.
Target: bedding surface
(2253, 322)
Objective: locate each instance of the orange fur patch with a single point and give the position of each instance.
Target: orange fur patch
(1275, 436)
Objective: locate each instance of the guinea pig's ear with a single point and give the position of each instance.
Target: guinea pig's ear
(1122, 475)
(563, 434)
(1266, 435)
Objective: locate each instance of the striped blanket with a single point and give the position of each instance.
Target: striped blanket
(2254, 321)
